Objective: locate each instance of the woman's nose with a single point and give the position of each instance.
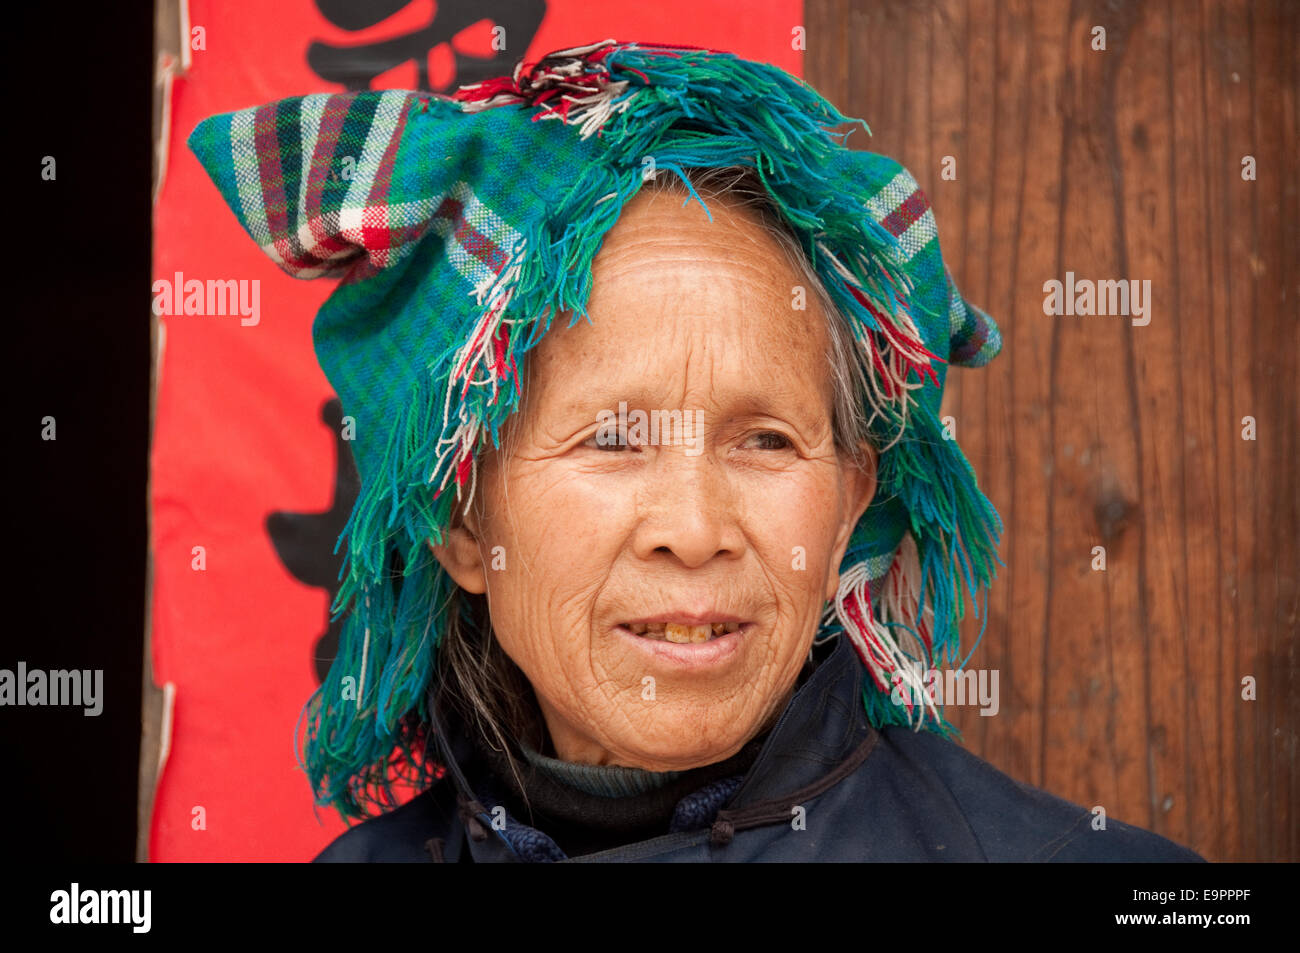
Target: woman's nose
(687, 509)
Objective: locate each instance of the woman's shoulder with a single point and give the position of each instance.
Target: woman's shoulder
(399, 836)
(1011, 820)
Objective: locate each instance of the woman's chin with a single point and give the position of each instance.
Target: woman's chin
(687, 745)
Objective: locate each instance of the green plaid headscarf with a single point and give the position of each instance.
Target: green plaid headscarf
(460, 226)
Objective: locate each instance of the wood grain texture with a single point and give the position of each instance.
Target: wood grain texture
(1120, 688)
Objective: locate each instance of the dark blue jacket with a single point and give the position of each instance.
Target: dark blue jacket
(866, 795)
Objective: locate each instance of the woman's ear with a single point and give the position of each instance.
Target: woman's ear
(459, 552)
(859, 488)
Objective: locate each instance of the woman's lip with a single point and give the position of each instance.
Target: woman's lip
(689, 657)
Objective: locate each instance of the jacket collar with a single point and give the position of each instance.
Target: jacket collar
(821, 727)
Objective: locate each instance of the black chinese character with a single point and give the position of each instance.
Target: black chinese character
(355, 67)
(305, 541)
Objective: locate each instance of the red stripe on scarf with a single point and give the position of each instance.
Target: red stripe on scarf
(903, 217)
(376, 230)
(470, 238)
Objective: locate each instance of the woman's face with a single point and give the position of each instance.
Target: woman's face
(741, 514)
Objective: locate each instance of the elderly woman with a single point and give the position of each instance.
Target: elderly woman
(665, 589)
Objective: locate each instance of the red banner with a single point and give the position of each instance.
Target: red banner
(250, 482)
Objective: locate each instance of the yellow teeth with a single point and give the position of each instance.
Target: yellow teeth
(683, 634)
(675, 632)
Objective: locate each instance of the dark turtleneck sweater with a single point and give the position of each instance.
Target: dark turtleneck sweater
(588, 808)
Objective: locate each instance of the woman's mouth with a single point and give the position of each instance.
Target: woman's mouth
(705, 643)
(681, 632)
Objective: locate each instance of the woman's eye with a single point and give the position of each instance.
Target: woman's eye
(771, 440)
(607, 441)
(766, 440)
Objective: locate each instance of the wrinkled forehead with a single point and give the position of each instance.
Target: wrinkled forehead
(696, 304)
(670, 231)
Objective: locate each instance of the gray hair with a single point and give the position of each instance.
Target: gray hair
(474, 674)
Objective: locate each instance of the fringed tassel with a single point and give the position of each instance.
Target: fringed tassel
(880, 641)
(896, 650)
(574, 85)
(949, 554)
(385, 661)
(954, 522)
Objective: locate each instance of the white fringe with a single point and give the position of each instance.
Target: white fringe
(882, 648)
(590, 111)
(893, 360)
(365, 651)
(476, 353)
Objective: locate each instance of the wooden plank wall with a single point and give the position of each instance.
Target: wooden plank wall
(1123, 687)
